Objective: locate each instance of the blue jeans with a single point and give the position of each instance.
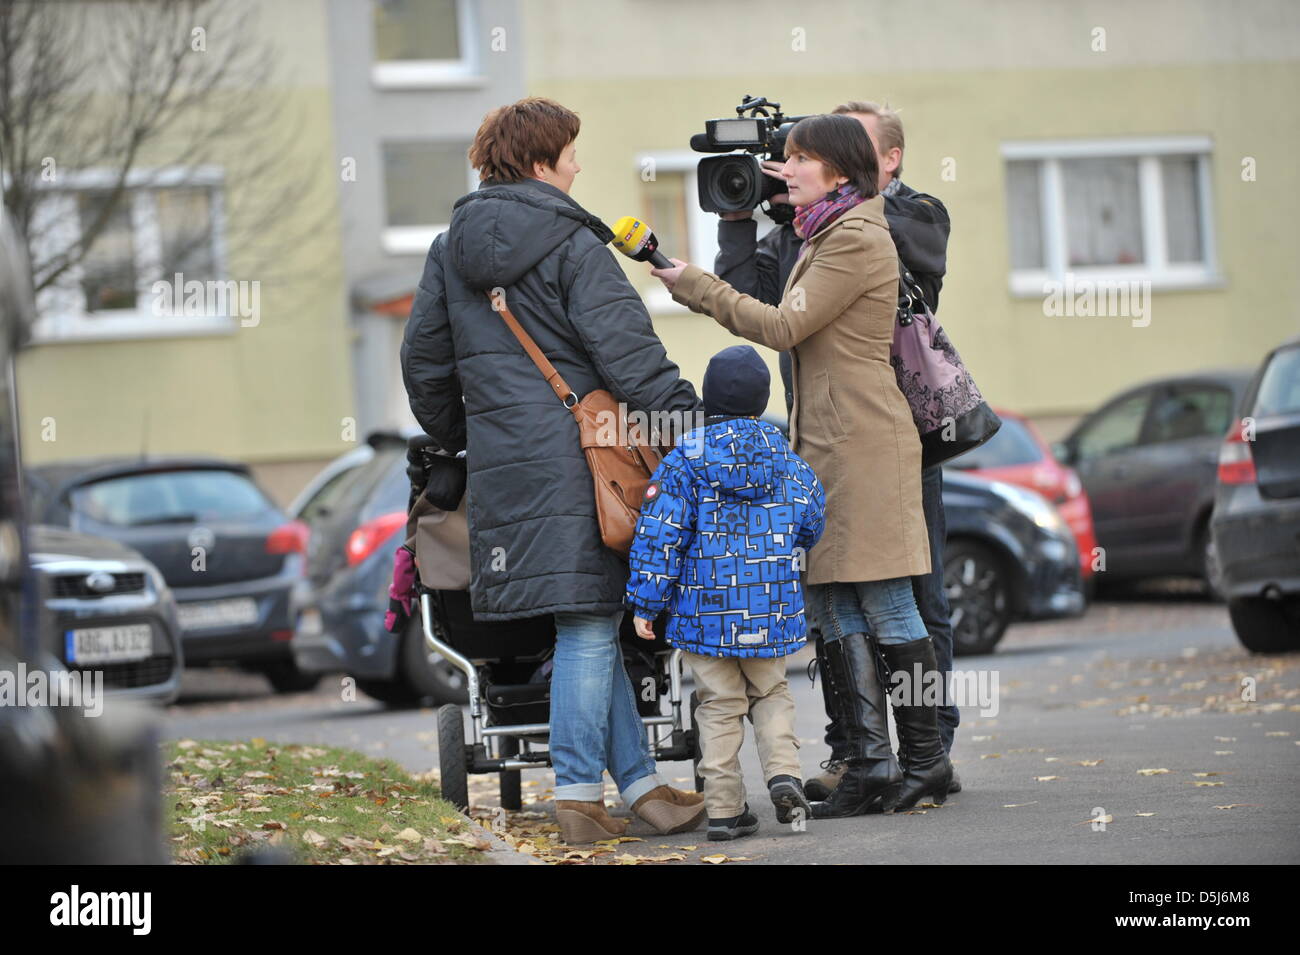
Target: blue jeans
(931, 602)
(594, 722)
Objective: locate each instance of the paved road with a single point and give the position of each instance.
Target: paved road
(1084, 705)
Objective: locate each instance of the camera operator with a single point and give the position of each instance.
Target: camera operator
(919, 226)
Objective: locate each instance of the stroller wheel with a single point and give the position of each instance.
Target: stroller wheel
(511, 779)
(451, 756)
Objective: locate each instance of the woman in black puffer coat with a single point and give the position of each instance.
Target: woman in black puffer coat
(535, 545)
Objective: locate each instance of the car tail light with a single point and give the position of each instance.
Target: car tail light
(288, 538)
(1236, 466)
(365, 539)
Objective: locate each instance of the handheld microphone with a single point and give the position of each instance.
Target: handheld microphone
(634, 239)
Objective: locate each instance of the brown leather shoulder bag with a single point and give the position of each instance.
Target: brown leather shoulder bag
(621, 458)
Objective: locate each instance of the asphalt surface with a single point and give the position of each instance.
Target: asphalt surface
(1084, 707)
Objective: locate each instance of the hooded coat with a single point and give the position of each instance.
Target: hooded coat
(724, 529)
(535, 544)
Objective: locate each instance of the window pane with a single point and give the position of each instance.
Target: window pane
(1279, 389)
(108, 270)
(416, 30)
(185, 221)
(423, 180)
(665, 205)
(1115, 429)
(170, 497)
(1182, 208)
(1192, 413)
(1025, 214)
(1103, 211)
(1010, 446)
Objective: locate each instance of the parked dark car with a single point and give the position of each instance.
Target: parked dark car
(1018, 454)
(230, 555)
(356, 510)
(1257, 507)
(1008, 555)
(108, 609)
(75, 790)
(1148, 459)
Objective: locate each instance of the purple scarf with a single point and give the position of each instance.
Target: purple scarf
(812, 218)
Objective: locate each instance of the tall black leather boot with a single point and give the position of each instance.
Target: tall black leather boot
(822, 785)
(873, 774)
(929, 772)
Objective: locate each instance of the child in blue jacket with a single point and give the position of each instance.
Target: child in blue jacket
(723, 536)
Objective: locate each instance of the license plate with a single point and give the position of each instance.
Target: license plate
(239, 612)
(110, 644)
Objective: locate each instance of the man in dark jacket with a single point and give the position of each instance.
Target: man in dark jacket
(919, 226)
(535, 543)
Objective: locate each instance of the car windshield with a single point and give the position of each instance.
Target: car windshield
(1279, 389)
(1012, 445)
(392, 488)
(170, 497)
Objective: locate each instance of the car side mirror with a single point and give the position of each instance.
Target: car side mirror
(1063, 451)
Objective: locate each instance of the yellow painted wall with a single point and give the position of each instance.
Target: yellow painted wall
(1013, 72)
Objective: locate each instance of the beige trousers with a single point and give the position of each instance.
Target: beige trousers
(728, 688)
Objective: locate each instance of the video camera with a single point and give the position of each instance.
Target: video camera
(735, 182)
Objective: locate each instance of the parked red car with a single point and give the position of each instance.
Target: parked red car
(1018, 455)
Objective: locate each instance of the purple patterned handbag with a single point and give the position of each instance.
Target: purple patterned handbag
(950, 413)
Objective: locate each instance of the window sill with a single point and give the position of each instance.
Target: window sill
(659, 301)
(424, 75)
(1037, 284)
(410, 239)
(127, 326)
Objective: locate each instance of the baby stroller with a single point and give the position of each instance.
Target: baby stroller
(507, 663)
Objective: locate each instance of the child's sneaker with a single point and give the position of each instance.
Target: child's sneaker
(724, 830)
(787, 796)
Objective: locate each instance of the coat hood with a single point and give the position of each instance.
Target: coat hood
(735, 457)
(502, 230)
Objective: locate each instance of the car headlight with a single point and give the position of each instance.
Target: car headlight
(1035, 506)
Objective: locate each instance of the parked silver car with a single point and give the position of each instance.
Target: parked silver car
(106, 608)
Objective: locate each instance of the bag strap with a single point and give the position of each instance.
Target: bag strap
(549, 372)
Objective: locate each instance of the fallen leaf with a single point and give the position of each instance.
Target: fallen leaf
(1152, 772)
(314, 838)
(409, 835)
(990, 756)
(272, 824)
(1207, 774)
(1207, 784)
(1144, 813)
(1017, 805)
(1089, 762)
(1046, 779)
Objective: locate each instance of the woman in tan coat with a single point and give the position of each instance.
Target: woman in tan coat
(852, 424)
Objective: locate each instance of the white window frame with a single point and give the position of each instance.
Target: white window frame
(414, 239)
(463, 73)
(61, 308)
(701, 226)
(1149, 150)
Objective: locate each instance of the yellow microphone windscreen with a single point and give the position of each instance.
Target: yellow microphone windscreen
(630, 235)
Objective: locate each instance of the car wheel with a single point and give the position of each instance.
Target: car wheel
(979, 596)
(427, 674)
(1210, 565)
(1263, 626)
(393, 693)
(284, 677)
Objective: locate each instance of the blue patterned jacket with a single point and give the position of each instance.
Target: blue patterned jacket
(722, 540)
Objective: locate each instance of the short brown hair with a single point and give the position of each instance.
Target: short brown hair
(842, 144)
(512, 138)
(889, 127)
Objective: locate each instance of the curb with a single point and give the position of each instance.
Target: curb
(501, 852)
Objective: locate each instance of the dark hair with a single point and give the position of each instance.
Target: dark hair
(842, 144)
(512, 138)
